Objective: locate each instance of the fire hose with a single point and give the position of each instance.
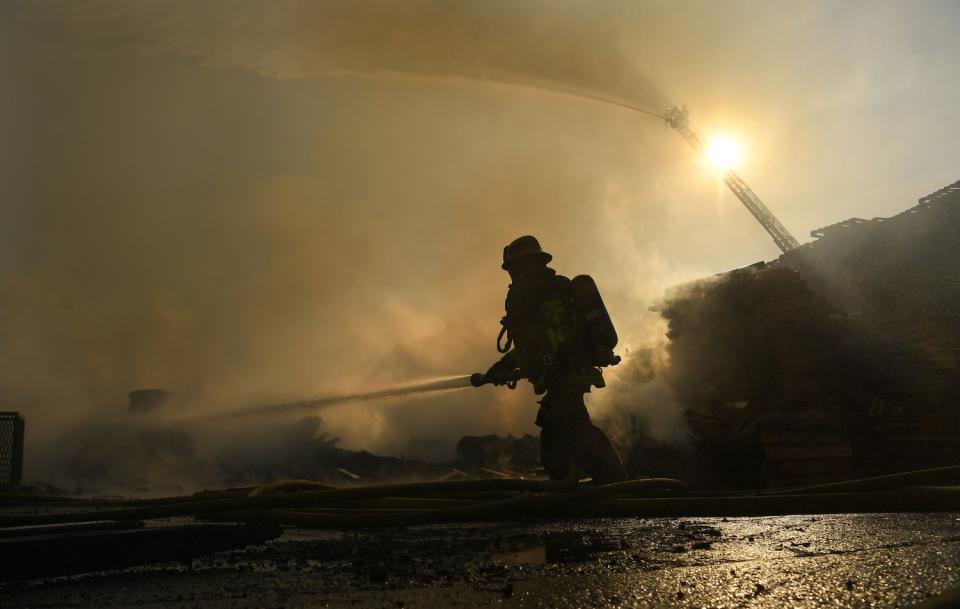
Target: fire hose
(314, 505)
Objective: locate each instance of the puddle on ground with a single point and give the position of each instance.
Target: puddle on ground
(536, 555)
(562, 548)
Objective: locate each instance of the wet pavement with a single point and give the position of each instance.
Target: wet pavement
(885, 560)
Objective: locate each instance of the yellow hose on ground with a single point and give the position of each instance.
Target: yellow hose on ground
(288, 486)
(312, 504)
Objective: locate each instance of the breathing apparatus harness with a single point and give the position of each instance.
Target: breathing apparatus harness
(504, 347)
(593, 332)
(549, 360)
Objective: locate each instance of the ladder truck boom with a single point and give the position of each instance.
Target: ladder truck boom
(678, 118)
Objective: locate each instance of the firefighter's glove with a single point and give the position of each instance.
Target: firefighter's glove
(499, 374)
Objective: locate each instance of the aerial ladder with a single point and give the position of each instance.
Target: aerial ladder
(678, 118)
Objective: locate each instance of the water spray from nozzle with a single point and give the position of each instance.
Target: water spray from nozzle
(445, 384)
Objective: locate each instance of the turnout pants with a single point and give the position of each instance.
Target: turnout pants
(568, 437)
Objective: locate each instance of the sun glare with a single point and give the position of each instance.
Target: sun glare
(723, 152)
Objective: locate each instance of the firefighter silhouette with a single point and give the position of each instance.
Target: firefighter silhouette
(557, 334)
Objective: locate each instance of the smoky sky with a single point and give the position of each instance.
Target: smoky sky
(247, 202)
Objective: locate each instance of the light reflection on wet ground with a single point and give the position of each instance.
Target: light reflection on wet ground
(877, 561)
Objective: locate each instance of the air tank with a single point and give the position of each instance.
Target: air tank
(596, 330)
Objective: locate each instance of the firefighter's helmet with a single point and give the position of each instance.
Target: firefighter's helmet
(524, 247)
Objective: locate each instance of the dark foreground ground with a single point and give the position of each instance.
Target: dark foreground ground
(886, 560)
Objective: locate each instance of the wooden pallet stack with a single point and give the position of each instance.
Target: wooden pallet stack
(799, 459)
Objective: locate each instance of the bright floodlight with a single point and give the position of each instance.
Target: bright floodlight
(723, 152)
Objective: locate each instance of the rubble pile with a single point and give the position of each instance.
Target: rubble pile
(495, 454)
(302, 450)
(838, 359)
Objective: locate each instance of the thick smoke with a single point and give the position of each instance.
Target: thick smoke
(539, 43)
(253, 202)
(239, 239)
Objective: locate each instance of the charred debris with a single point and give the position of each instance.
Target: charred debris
(837, 360)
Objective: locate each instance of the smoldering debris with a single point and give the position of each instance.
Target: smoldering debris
(637, 389)
(837, 360)
(501, 453)
(123, 455)
(642, 414)
(301, 450)
(139, 456)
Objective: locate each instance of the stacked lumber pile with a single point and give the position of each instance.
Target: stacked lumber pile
(850, 343)
(799, 459)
